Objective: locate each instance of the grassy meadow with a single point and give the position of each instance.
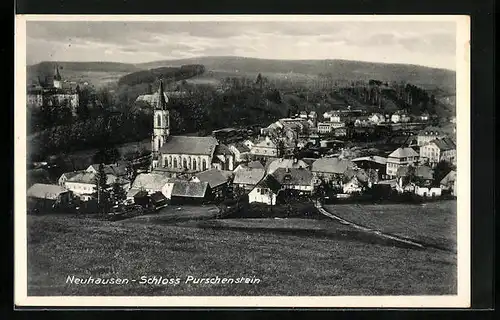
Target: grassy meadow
(289, 256)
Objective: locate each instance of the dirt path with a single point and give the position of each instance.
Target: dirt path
(368, 230)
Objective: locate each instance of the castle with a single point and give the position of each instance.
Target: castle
(51, 93)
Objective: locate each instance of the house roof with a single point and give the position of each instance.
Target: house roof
(71, 174)
(222, 149)
(450, 177)
(116, 169)
(255, 165)
(331, 165)
(423, 172)
(403, 153)
(91, 178)
(376, 159)
(293, 176)
(270, 183)
(158, 197)
(132, 192)
(266, 143)
(189, 189)
(151, 181)
(241, 147)
(444, 144)
(431, 131)
(214, 177)
(285, 163)
(45, 191)
(250, 176)
(189, 145)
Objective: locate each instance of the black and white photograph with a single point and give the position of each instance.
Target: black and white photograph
(208, 160)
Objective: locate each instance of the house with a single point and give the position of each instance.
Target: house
(223, 158)
(189, 192)
(150, 183)
(421, 176)
(67, 175)
(438, 150)
(285, 163)
(294, 178)
(362, 121)
(264, 148)
(325, 127)
(118, 170)
(248, 143)
(303, 114)
(158, 200)
(250, 165)
(449, 183)
(340, 132)
(335, 117)
(356, 180)
(376, 118)
(396, 118)
(376, 163)
(218, 180)
(84, 184)
(240, 151)
(42, 195)
(401, 157)
(330, 169)
(266, 191)
(424, 117)
(247, 178)
(428, 134)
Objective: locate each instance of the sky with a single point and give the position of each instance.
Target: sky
(424, 43)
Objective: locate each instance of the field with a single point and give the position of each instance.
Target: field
(289, 256)
(431, 223)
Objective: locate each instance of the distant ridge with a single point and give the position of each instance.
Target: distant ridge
(339, 69)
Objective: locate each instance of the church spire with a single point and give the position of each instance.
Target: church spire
(57, 75)
(162, 103)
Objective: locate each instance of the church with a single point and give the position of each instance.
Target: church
(183, 154)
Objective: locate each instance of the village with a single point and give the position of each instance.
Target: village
(327, 157)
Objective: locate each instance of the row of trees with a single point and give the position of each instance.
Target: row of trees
(107, 195)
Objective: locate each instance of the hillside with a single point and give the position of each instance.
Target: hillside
(338, 69)
(231, 66)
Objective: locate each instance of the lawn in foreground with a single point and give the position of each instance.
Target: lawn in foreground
(434, 223)
(290, 263)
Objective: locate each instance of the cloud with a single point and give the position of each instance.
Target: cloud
(399, 42)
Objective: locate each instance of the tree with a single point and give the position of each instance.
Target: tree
(107, 155)
(442, 168)
(102, 189)
(118, 192)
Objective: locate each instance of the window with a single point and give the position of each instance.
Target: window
(175, 162)
(204, 164)
(195, 165)
(158, 120)
(184, 163)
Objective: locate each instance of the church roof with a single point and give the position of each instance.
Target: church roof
(189, 145)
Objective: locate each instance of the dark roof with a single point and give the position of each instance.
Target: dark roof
(293, 176)
(158, 197)
(444, 144)
(222, 149)
(241, 147)
(423, 172)
(214, 177)
(270, 183)
(255, 165)
(331, 165)
(431, 131)
(450, 177)
(189, 189)
(250, 176)
(189, 145)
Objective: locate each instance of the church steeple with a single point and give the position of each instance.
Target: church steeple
(57, 75)
(161, 103)
(161, 126)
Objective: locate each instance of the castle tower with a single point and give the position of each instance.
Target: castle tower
(161, 125)
(57, 78)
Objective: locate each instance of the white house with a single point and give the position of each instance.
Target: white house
(265, 148)
(151, 183)
(437, 150)
(265, 191)
(84, 184)
(240, 152)
(400, 157)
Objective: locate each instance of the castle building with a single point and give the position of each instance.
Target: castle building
(52, 93)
